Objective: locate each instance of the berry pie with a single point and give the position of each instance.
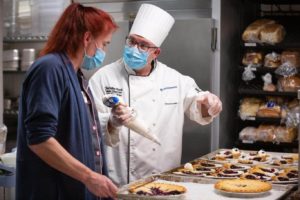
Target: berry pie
(157, 189)
(243, 186)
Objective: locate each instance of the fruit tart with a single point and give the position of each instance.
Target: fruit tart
(157, 189)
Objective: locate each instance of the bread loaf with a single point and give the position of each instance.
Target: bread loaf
(265, 133)
(272, 60)
(251, 33)
(269, 111)
(284, 134)
(249, 107)
(253, 58)
(289, 84)
(272, 33)
(269, 87)
(249, 134)
(293, 57)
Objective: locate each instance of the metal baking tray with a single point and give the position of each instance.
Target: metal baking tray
(197, 188)
(272, 155)
(207, 159)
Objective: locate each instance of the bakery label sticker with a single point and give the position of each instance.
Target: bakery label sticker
(250, 44)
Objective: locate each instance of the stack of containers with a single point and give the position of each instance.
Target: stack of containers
(24, 14)
(11, 60)
(45, 14)
(9, 17)
(28, 57)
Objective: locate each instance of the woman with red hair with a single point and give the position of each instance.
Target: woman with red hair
(59, 146)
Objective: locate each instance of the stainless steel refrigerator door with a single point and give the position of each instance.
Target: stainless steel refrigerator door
(188, 50)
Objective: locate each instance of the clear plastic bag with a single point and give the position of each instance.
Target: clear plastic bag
(292, 119)
(255, 59)
(268, 85)
(288, 84)
(248, 74)
(249, 134)
(272, 60)
(286, 70)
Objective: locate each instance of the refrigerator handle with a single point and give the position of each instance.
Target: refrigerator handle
(214, 35)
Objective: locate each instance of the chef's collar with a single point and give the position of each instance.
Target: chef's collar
(130, 71)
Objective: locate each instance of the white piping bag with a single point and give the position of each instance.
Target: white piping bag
(135, 124)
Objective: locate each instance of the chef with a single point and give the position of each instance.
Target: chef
(160, 95)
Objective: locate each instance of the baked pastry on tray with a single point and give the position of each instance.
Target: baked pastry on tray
(256, 176)
(243, 186)
(235, 167)
(224, 155)
(157, 189)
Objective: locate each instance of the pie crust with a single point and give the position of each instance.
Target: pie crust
(243, 186)
(157, 189)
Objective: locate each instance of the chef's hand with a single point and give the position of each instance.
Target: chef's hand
(120, 115)
(101, 186)
(209, 104)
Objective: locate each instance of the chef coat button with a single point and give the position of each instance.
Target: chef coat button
(153, 124)
(153, 100)
(153, 149)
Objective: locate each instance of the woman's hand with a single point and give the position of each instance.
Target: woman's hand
(100, 185)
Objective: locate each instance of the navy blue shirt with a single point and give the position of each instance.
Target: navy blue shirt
(52, 105)
(94, 121)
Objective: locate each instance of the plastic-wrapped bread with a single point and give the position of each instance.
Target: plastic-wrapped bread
(249, 107)
(272, 33)
(293, 103)
(252, 32)
(265, 133)
(268, 84)
(270, 109)
(272, 60)
(293, 57)
(254, 59)
(249, 134)
(284, 134)
(289, 84)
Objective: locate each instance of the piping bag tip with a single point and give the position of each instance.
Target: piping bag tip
(154, 139)
(157, 142)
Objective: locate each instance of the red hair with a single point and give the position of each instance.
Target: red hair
(70, 28)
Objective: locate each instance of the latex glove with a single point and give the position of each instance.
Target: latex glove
(120, 115)
(210, 102)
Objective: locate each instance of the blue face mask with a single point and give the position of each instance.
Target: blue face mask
(93, 62)
(134, 58)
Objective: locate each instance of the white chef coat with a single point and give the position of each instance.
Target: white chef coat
(160, 99)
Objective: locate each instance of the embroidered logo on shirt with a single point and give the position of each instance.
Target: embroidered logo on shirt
(168, 88)
(113, 90)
